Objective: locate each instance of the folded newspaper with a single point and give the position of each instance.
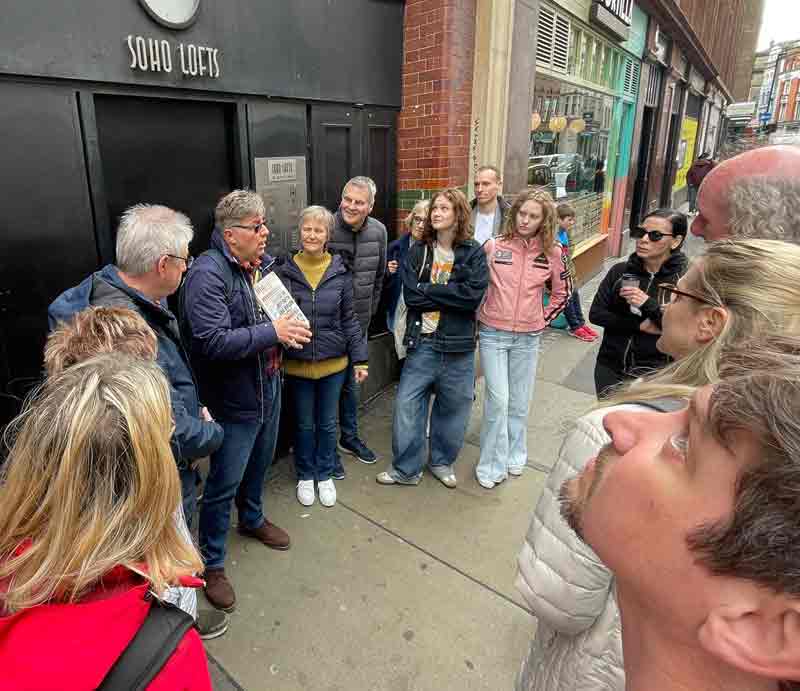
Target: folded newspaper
(276, 301)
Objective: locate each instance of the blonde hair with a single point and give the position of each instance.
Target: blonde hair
(97, 330)
(758, 283)
(547, 229)
(90, 483)
(421, 205)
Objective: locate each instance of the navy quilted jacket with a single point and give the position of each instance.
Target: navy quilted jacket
(330, 311)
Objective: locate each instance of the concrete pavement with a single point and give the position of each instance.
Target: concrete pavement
(400, 588)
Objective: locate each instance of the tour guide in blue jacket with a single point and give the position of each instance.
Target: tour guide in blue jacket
(237, 356)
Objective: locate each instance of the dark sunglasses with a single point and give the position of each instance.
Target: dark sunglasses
(668, 293)
(253, 228)
(186, 260)
(652, 235)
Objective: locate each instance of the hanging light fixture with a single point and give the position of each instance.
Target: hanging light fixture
(558, 123)
(577, 126)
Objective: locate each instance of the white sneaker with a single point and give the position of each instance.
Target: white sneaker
(327, 493)
(305, 492)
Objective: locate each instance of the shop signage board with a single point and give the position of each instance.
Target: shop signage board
(614, 16)
(281, 182)
(685, 152)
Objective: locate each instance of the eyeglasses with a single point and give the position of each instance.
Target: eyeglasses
(188, 260)
(667, 294)
(652, 235)
(254, 228)
(418, 220)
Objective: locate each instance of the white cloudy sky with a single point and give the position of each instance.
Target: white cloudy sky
(781, 22)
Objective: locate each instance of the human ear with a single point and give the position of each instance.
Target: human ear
(760, 636)
(677, 241)
(711, 323)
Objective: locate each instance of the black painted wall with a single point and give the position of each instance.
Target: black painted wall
(330, 50)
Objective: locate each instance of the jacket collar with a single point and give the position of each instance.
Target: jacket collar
(110, 274)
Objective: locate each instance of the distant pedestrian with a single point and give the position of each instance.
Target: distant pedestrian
(444, 280)
(357, 233)
(626, 303)
(572, 311)
(396, 254)
(489, 209)
(697, 172)
(236, 350)
(322, 286)
(512, 317)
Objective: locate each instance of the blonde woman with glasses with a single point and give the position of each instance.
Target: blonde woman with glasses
(736, 293)
(87, 534)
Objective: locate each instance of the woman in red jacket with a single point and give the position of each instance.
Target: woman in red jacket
(87, 535)
(512, 318)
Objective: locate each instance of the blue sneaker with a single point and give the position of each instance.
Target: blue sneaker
(359, 449)
(338, 469)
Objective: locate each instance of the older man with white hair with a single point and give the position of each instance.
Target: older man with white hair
(152, 256)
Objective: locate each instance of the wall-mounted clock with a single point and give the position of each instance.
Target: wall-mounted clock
(175, 14)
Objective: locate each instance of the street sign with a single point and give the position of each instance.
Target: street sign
(765, 117)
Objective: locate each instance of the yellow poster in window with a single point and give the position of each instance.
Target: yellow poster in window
(685, 152)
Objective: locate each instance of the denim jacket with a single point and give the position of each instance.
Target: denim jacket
(457, 301)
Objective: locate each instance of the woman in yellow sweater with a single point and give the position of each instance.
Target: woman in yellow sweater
(322, 286)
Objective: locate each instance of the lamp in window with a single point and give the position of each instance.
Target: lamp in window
(577, 126)
(558, 123)
(536, 120)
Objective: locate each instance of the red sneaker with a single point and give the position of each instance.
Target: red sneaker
(580, 334)
(588, 329)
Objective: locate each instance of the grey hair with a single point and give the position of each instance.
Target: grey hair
(765, 207)
(146, 233)
(236, 205)
(365, 183)
(317, 213)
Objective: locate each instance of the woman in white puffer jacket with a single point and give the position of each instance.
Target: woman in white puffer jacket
(735, 291)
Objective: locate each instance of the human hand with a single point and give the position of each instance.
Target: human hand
(205, 415)
(291, 332)
(360, 374)
(649, 327)
(634, 296)
(392, 266)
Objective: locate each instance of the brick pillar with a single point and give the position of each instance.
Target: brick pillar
(433, 133)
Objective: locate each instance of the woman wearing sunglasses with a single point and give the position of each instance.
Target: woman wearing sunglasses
(625, 304)
(737, 292)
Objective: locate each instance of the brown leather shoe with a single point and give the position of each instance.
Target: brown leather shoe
(269, 534)
(219, 590)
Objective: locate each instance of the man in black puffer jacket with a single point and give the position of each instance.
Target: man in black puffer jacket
(363, 237)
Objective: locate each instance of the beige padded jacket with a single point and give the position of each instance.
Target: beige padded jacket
(578, 642)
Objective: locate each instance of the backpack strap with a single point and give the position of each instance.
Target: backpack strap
(154, 643)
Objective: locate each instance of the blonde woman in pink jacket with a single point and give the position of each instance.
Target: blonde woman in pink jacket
(512, 318)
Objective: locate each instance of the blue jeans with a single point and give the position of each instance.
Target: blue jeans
(509, 361)
(573, 312)
(237, 470)
(348, 406)
(315, 402)
(451, 376)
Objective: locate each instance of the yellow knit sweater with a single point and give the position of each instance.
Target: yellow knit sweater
(313, 269)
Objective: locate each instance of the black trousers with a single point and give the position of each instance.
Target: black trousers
(606, 378)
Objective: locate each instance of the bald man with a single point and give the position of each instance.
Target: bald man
(753, 195)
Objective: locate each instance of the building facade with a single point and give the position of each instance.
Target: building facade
(108, 103)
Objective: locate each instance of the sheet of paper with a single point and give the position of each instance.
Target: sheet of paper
(276, 301)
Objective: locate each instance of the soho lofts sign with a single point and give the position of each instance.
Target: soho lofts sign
(614, 16)
(160, 55)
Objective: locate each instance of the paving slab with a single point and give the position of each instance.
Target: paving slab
(354, 606)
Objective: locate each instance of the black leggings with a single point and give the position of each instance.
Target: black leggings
(606, 378)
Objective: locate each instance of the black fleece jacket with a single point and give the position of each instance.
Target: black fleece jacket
(625, 348)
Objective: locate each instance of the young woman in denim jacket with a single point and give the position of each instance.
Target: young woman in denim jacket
(444, 279)
(521, 261)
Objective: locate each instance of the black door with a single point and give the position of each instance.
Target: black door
(164, 151)
(643, 173)
(348, 141)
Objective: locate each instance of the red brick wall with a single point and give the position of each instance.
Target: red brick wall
(434, 124)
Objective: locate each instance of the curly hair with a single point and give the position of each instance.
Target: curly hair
(462, 211)
(547, 228)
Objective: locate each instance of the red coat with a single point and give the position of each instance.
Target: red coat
(71, 647)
